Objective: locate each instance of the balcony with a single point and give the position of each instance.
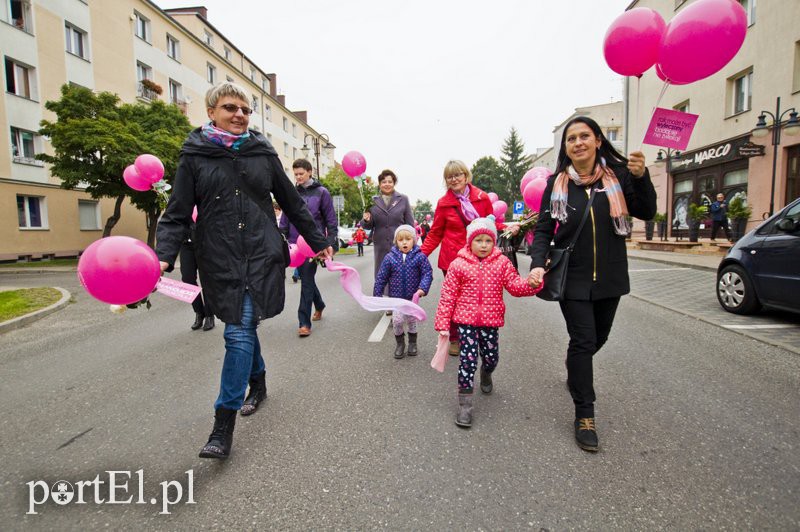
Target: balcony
(27, 160)
(180, 104)
(148, 90)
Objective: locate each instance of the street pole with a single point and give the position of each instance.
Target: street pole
(792, 127)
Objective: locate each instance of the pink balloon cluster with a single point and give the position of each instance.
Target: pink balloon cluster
(146, 170)
(354, 164)
(532, 186)
(696, 43)
(118, 270)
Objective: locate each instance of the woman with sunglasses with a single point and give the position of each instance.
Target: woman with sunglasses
(462, 203)
(229, 172)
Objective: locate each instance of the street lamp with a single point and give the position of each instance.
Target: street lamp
(666, 157)
(317, 145)
(792, 127)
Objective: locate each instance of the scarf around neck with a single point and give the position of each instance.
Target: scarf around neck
(467, 208)
(224, 138)
(616, 199)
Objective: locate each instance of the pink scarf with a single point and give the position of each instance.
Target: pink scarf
(616, 199)
(467, 209)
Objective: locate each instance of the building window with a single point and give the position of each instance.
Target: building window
(612, 134)
(294, 130)
(683, 107)
(19, 79)
(268, 111)
(23, 147)
(265, 84)
(31, 212)
(286, 149)
(285, 124)
(89, 215)
(252, 74)
(750, 8)
(740, 87)
(208, 38)
(173, 48)
(142, 26)
(175, 92)
(20, 14)
(143, 71)
(796, 75)
(228, 54)
(76, 40)
(211, 73)
(255, 104)
(294, 153)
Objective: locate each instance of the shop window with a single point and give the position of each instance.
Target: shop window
(682, 187)
(19, 79)
(740, 90)
(31, 212)
(793, 173)
(89, 215)
(736, 177)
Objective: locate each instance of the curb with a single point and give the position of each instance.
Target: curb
(22, 321)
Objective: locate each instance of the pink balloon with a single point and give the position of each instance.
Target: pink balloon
(537, 172)
(150, 167)
(702, 39)
(354, 164)
(632, 41)
(428, 217)
(134, 180)
(303, 248)
(296, 259)
(493, 197)
(194, 214)
(118, 270)
(499, 207)
(662, 77)
(532, 195)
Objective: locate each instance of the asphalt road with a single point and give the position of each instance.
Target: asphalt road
(698, 424)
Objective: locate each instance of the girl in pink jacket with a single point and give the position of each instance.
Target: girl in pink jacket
(472, 299)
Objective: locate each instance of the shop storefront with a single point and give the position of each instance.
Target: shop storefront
(699, 175)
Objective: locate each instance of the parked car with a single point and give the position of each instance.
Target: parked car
(345, 236)
(763, 268)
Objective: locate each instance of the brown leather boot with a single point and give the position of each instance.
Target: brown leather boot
(464, 412)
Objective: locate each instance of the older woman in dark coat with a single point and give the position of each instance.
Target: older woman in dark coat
(389, 211)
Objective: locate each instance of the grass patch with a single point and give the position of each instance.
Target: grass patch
(15, 303)
(347, 251)
(41, 263)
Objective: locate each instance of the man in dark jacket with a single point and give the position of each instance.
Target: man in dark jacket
(719, 217)
(320, 205)
(229, 172)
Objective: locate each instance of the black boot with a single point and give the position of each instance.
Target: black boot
(208, 324)
(256, 395)
(464, 412)
(586, 434)
(412, 345)
(198, 321)
(399, 351)
(486, 381)
(221, 438)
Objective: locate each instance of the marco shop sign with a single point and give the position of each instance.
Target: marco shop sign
(715, 154)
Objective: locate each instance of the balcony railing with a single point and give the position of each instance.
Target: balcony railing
(27, 160)
(145, 92)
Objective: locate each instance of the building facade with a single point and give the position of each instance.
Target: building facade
(723, 156)
(116, 47)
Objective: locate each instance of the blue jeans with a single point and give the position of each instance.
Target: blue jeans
(242, 358)
(309, 293)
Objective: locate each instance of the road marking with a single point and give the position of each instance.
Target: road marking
(659, 269)
(380, 329)
(774, 326)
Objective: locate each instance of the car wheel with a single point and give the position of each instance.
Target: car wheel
(735, 291)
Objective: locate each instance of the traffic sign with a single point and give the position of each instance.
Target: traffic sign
(519, 207)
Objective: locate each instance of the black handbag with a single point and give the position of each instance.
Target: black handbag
(555, 276)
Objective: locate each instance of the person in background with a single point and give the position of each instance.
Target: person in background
(597, 272)
(320, 203)
(223, 169)
(461, 203)
(360, 236)
(719, 217)
(389, 210)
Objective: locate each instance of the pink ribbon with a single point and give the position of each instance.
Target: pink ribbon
(351, 283)
(440, 357)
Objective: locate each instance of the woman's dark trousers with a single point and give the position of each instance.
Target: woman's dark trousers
(189, 276)
(588, 325)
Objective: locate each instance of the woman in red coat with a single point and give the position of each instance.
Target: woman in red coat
(462, 203)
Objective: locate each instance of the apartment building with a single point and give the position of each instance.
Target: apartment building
(138, 51)
(723, 154)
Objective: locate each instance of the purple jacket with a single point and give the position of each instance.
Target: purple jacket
(320, 205)
(404, 278)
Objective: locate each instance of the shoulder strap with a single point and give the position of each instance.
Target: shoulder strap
(583, 220)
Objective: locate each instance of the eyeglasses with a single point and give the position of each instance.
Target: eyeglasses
(455, 177)
(233, 108)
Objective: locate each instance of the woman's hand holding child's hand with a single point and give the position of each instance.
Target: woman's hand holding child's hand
(535, 277)
(420, 293)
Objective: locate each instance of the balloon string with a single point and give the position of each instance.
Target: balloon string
(658, 101)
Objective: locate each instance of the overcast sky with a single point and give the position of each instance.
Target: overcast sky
(412, 84)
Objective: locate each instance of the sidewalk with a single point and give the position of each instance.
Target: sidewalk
(687, 260)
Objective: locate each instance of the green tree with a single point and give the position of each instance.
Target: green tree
(94, 137)
(421, 208)
(487, 174)
(340, 184)
(514, 163)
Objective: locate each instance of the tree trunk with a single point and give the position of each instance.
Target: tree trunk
(114, 218)
(152, 224)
